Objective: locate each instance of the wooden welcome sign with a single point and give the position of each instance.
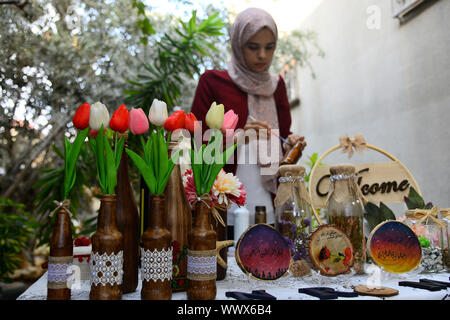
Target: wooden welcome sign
(385, 182)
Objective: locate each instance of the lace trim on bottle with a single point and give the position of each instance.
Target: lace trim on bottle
(201, 265)
(59, 272)
(156, 264)
(106, 269)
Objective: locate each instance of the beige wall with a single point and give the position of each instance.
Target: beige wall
(391, 84)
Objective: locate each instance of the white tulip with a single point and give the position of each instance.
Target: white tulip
(158, 113)
(99, 116)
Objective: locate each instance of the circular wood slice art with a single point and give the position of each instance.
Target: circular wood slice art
(331, 251)
(394, 247)
(263, 253)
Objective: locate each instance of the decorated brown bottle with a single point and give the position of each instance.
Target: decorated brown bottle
(202, 259)
(127, 218)
(156, 254)
(60, 259)
(107, 253)
(179, 219)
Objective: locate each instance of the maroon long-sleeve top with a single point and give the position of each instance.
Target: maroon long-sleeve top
(215, 85)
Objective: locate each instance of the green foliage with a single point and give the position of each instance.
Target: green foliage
(298, 46)
(415, 201)
(71, 152)
(424, 242)
(311, 163)
(143, 23)
(375, 215)
(16, 229)
(179, 54)
(49, 189)
(206, 164)
(156, 166)
(107, 160)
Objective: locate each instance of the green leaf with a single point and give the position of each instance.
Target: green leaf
(72, 159)
(118, 149)
(171, 163)
(154, 156)
(196, 169)
(49, 178)
(100, 158)
(372, 215)
(414, 201)
(144, 169)
(110, 167)
(66, 165)
(192, 22)
(386, 213)
(163, 160)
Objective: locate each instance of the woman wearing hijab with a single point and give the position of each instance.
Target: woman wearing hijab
(259, 99)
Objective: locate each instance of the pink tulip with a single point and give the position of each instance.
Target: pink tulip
(138, 121)
(230, 120)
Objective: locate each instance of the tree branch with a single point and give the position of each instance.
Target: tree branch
(41, 148)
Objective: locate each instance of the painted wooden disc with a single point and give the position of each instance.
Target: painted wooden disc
(394, 247)
(262, 252)
(330, 250)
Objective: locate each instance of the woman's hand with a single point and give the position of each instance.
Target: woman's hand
(293, 139)
(261, 128)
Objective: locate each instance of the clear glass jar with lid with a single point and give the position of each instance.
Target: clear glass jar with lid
(345, 210)
(431, 227)
(293, 210)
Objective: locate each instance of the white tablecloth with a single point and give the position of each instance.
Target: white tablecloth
(285, 288)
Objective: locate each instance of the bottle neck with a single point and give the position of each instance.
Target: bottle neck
(61, 240)
(157, 211)
(107, 213)
(122, 172)
(202, 218)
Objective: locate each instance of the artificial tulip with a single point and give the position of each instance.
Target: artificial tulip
(175, 121)
(190, 123)
(158, 113)
(138, 121)
(81, 117)
(99, 116)
(230, 120)
(214, 117)
(119, 120)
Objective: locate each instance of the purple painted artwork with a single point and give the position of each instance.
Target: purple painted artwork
(263, 253)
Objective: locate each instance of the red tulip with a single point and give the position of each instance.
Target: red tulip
(190, 123)
(81, 117)
(119, 120)
(175, 121)
(138, 121)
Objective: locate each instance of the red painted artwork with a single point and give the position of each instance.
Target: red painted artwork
(263, 253)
